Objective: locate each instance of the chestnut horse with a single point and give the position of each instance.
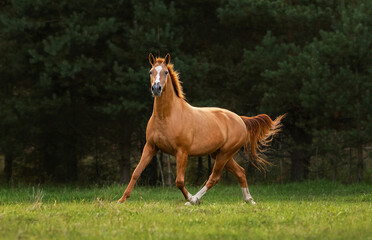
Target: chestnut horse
(179, 129)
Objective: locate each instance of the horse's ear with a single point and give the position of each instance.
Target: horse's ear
(167, 59)
(151, 59)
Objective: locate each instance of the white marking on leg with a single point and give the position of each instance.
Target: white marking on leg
(201, 192)
(189, 196)
(195, 200)
(158, 70)
(247, 196)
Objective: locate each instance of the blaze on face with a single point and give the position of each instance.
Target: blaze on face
(158, 74)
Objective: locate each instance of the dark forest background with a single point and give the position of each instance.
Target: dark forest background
(75, 92)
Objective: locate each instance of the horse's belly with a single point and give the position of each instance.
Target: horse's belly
(199, 145)
(200, 151)
(206, 145)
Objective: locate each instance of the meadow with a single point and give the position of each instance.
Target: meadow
(308, 210)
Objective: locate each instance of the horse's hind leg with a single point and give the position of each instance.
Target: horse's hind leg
(239, 173)
(221, 160)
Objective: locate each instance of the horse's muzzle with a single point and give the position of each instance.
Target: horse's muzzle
(156, 89)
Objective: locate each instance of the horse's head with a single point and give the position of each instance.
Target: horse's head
(158, 74)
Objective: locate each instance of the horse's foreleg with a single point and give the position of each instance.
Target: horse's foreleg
(148, 153)
(219, 164)
(239, 173)
(182, 158)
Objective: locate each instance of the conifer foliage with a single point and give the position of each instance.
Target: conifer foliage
(74, 84)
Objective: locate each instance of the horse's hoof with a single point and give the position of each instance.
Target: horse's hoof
(250, 200)
(194, 200)
(187, 204)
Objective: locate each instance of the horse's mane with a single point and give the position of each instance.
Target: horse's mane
(174, 77)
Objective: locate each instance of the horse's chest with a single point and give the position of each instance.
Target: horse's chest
(164, 140)
(168, 139)
(160, 139)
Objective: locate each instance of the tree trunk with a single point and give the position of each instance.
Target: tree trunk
(209, 165)
(335, 171)
(124, 164)
(71, 163)
(160, 162)
(300, 155)
(359, 128)
(49, 162)
(169, 171)
(300, 165)
(199, 171)
(8, 167)
(350, 165)
(360, 164)
(281, 170)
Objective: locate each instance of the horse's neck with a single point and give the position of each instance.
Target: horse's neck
(168, 103)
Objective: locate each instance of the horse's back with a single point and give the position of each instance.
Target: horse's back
(219, 125)
(225, 118)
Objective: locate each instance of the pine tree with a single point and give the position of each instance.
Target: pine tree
(271, 33)
(337, 85)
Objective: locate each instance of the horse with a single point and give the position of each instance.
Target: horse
(179, 129)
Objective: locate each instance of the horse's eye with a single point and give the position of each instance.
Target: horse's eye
(166, 72)
(150, 73)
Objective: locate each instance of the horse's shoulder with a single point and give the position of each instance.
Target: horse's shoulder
(151, 126)
(150, 123)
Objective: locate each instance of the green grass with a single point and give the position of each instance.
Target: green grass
(310, 210)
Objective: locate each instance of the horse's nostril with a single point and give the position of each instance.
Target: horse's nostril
(159, 88)
(152, 88)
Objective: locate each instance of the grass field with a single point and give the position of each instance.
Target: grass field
(310, 210)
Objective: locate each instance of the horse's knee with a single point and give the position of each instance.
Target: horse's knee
(135, 176)
(180, 183)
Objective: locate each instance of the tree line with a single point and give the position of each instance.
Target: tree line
(74, 88)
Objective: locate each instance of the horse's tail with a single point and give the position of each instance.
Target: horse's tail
(261, 130)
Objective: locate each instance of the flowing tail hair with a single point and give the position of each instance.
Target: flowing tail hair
(261, 130)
